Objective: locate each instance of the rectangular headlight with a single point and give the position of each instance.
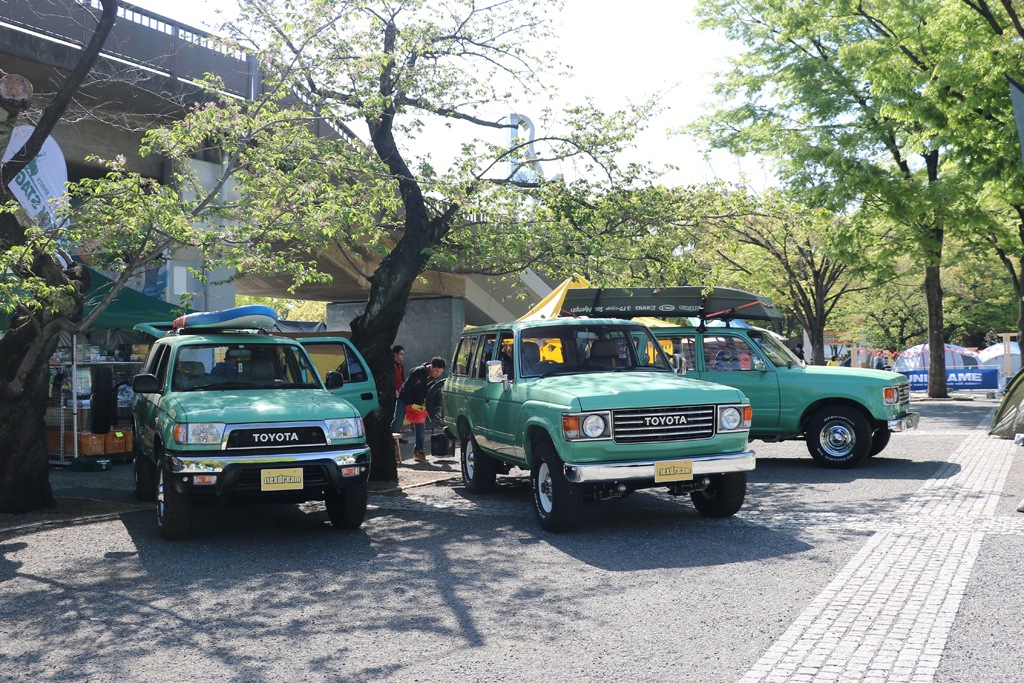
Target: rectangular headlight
(890, 395)
(735, 418)
(199, 433)
(345, 428)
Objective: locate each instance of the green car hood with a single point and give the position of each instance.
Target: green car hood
(248, 406)
(858, 376)
(614, 390)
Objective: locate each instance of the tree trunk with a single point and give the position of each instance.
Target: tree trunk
(24, 469)
(936, 344)
(374, 333)
(817, 335)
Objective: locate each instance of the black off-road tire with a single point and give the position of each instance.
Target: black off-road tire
(838, 437)
(103, 402)
(173, 509)
(723, 498)
(144, 474)
(347, 508)
(434, 405)
(879, 440)
(556, 500)
(479, 471)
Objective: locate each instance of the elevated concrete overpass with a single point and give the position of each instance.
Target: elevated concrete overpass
(145, 77)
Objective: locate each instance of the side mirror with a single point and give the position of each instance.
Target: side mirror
(335, 380)
(679, 363)
(495, 373)
(145, 384)
(759, 364)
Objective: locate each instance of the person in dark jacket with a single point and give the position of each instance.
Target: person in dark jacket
(396, 421)
(414, 393)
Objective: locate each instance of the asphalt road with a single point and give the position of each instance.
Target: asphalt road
(442, 586)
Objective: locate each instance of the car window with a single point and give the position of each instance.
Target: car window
(464, 355)
(685, 345)
(212, 367)
(484, 354)
(777, 352)
(161, 366)
(335, 356)
(728, 354)
(505, 355)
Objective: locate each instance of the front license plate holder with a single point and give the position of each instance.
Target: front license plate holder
(673, 470)
(281, 479)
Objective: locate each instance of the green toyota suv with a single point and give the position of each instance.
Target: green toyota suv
(241, 416)
(593, 409)
(844, 414)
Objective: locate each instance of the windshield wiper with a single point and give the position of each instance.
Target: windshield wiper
(293, 385)
(223, 385)
(564, 368)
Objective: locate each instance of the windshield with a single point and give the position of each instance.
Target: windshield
(777, 352)
(217, 367)
(571, 349)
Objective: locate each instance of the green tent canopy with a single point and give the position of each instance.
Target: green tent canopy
(128, 309)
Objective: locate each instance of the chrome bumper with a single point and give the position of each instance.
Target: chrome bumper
(199, 463)
(625, 471)
(904, 423)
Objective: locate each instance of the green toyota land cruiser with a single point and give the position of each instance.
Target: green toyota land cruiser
(844, 414)
(223, 412)
(593, 409)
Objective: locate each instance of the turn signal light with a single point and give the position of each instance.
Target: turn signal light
(889, 394)
(571, 426)
(205, 479)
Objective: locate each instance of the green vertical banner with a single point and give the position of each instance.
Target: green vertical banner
(1017, 98)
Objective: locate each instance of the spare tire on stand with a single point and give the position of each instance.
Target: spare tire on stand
(103, 401)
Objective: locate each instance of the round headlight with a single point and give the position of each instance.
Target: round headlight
(593, 426)
(730, 418)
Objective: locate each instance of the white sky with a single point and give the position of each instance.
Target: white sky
(617, 57)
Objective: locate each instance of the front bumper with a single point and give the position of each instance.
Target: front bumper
(331, 469)
(904, 423)
(631, 471)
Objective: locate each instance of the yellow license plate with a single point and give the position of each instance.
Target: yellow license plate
(673, 470)
(281, 480)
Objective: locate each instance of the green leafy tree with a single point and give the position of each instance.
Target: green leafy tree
(832, 92)
(392, 66)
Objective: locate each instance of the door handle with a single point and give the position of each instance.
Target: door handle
(366, 397)
(487, 402)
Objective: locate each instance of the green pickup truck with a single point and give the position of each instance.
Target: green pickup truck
(844, 414)
(593, 409)
(225, 413)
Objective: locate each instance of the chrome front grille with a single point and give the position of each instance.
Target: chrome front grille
(651, 425)
(904, 390)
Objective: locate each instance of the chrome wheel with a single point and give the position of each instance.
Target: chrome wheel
(837, 439)
(470, 460)
(544, 487)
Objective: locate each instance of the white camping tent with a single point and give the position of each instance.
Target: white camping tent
(993, 356)
(916, 358)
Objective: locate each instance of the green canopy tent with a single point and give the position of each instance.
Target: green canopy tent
(128, 309)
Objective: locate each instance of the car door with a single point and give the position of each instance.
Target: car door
(147, 406)
(454, 396)
(730, 359)
(339, 354)
(503, 406)
(478, 392)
